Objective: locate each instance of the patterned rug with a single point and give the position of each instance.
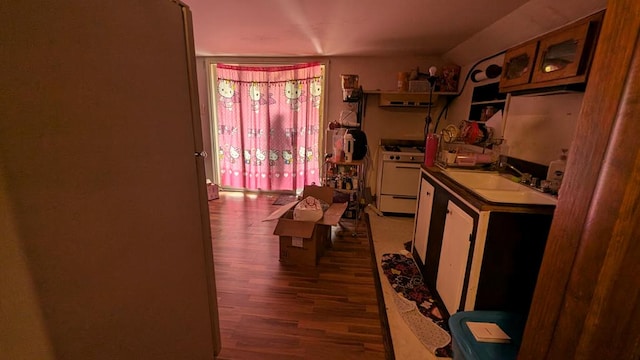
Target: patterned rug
(415, 303)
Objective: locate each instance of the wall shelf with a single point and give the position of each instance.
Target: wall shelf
(378, 91)
(484, 96)
(391, 98)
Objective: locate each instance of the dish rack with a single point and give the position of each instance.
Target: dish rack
(459, 152)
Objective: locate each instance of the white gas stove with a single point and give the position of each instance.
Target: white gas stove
(402, 153)
(399, 176)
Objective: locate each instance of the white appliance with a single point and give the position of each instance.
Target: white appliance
(348, 147)
(399, 177)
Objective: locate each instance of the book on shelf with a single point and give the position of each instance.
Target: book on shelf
(488, 332)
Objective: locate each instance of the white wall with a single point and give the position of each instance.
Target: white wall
(538, 127)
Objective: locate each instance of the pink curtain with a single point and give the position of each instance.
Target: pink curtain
(268, 126)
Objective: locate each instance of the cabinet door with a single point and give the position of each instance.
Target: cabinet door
(561, 54)
(518, 64)
(423, 219)
(453, 256)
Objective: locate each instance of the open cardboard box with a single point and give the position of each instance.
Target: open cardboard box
(303, 242)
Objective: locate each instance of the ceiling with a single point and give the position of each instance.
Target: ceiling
(340, 27)
(460, 31)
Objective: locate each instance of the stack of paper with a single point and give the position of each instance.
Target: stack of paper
(488, 332)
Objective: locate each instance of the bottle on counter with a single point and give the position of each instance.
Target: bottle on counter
(431, 149)
(500, 151)
(556, 170)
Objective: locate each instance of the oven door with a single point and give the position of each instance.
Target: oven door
(399, 187)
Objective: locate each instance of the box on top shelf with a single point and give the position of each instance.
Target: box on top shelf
(303, 242)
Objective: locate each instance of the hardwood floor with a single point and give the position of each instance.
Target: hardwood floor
(269, 310)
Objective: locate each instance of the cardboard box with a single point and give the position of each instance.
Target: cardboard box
(304, 242)
(213, 192)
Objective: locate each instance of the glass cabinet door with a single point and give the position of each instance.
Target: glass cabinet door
(561, 53)
(518, 65)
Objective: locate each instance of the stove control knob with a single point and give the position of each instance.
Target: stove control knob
(397, 157)
(412, 158)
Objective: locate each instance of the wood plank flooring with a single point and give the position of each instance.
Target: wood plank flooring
(269, 310)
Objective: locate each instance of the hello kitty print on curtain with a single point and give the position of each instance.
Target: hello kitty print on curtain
(268, 121)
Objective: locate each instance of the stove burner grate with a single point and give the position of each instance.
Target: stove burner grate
(403, 149)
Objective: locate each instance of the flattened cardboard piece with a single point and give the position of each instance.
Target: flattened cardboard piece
(281, 211)
(333, 214)
(290, 227)
(330, 217)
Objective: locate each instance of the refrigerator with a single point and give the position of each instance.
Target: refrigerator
(104, 224)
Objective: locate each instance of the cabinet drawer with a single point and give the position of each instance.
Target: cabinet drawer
(399, 178)
(398, 204)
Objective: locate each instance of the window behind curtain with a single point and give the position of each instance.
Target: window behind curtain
(268, 122)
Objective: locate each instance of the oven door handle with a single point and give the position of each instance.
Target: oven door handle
(413, 166)
(405, 197)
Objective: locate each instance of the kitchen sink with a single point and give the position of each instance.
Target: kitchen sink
(498, 188)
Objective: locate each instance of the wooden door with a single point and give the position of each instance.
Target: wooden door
(586, 300)
(101, 195)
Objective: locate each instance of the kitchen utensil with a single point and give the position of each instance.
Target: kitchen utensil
(450, 133)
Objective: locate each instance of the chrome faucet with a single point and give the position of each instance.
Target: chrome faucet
(504, 164)
(524, 177)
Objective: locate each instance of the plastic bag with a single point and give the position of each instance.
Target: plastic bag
(308, 209)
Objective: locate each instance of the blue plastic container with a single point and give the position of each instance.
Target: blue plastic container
(465, 346)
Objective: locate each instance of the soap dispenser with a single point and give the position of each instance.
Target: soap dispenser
(556, 168)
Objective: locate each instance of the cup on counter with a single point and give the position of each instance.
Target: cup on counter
(450, 157)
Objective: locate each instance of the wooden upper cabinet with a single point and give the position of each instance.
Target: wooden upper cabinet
(560, 58)
(518, 65)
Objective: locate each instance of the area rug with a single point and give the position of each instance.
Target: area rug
(285, 199)
(417, 306)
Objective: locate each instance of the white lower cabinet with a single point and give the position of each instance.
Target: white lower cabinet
(454, 254)
(423, 219)
(476, 255)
